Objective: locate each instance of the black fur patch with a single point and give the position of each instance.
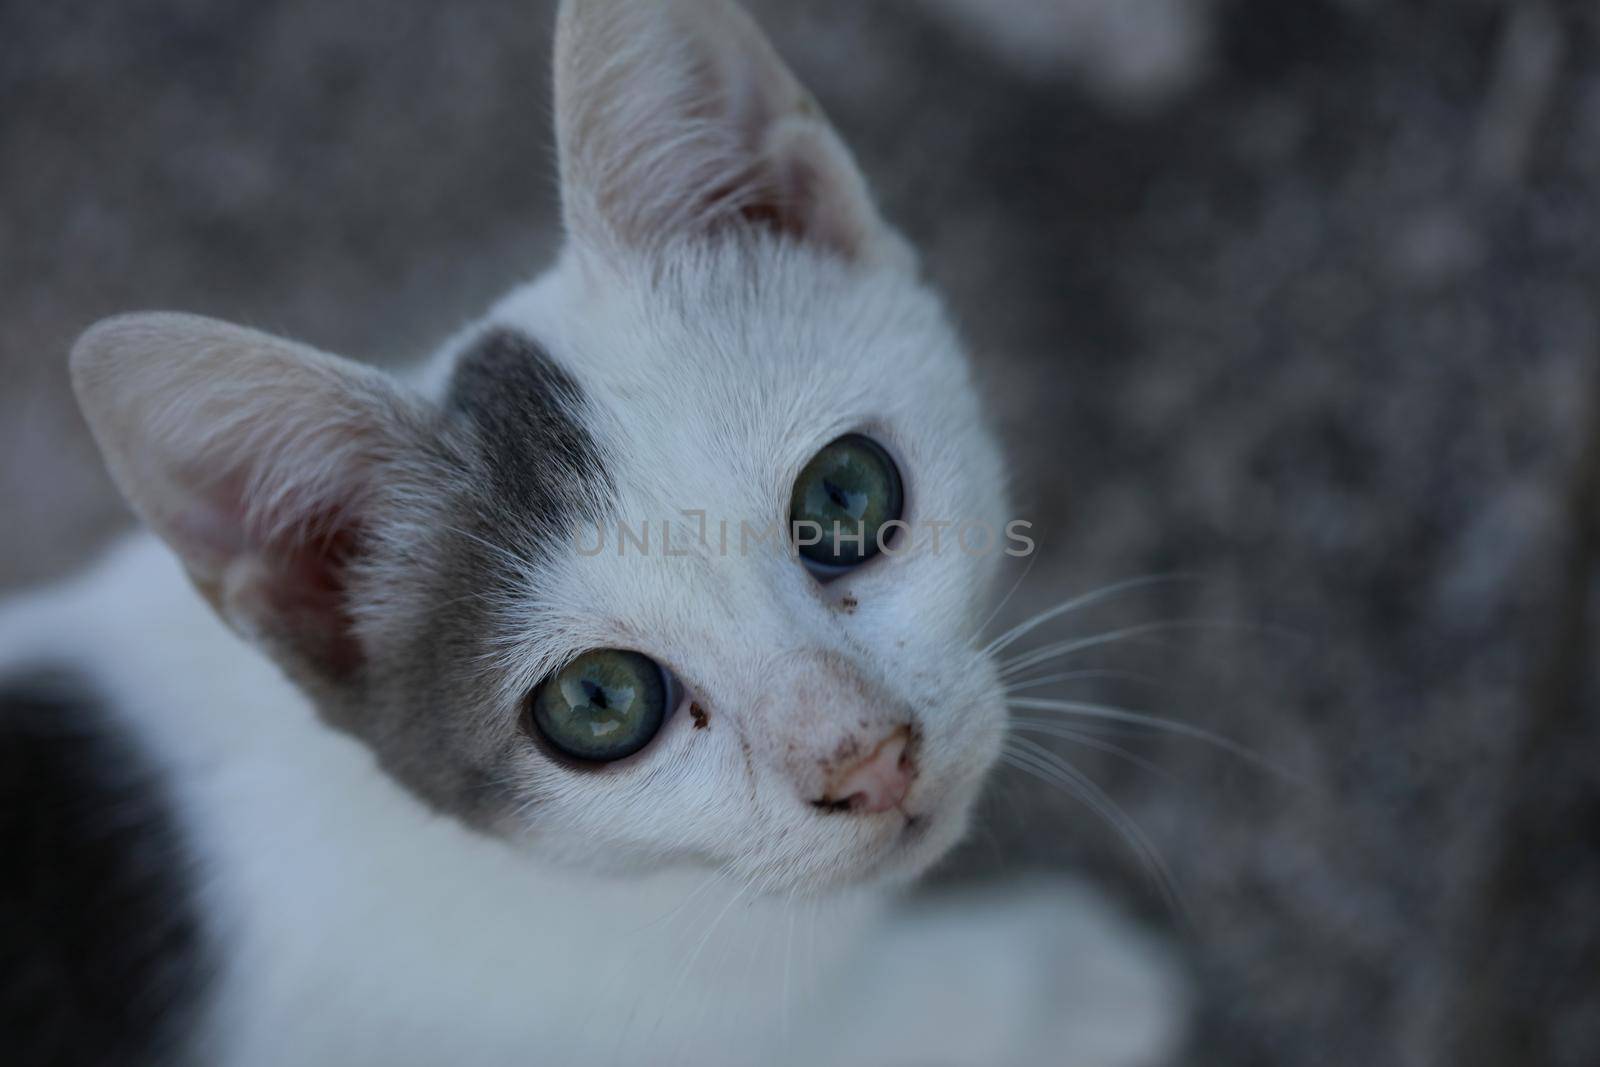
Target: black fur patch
(100, 945)
(539, 458)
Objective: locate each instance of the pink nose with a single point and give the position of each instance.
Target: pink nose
(877, 781)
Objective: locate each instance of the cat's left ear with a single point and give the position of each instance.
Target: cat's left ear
(676, 116)
(260, 461)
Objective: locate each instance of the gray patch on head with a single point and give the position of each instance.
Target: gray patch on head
(527, 412)
(509, 474)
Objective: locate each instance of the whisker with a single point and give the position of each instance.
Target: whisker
(688, 967)
(1007, 598)
(1156, 722)
(1083, 600)
(666, 917)
(1083, 675)
(1052, 729)
(665, 923)
(1078, 644)
(1102, 728)
(1049, 767)
(681, 983)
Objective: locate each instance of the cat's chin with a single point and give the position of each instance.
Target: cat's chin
(894, 859)
(844, 852)
(899, 856)
(922, 842)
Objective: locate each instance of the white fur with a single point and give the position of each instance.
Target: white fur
(691, 906)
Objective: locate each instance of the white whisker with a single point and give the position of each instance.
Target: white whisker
(1054, 729)
(1155, 722)
(1083, 675)
(681, 983)
(1084, 600)
(1007, 598)
(1078, 644)
(1048, 766)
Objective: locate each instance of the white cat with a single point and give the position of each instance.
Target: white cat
(495, 794)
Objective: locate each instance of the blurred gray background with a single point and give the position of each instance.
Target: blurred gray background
(1298, 299)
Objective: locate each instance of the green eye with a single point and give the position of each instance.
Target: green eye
(850, 488)
(602, 706)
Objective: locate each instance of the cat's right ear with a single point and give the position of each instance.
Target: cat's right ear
(258, 460)
(676, 117)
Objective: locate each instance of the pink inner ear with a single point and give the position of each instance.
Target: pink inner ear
(254, 458)
(206, 525)
(307, 595)
(804, 189)
(298, 588)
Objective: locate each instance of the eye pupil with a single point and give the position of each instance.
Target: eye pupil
(605, 705)
(848, 492)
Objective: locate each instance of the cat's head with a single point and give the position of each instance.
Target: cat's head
(554, 585)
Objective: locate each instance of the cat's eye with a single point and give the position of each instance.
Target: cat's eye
(605, 705)
(842, 501)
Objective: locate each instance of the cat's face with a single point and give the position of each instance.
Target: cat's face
(582, 522)
(708, 389)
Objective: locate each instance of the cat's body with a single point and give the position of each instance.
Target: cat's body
(344, 923)
(379, 855)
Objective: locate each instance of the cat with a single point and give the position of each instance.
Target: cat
(446, 783)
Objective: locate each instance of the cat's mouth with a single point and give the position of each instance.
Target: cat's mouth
(886, 848)
(911, 840)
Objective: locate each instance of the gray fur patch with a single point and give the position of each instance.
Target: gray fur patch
(526, 411)
(514, 470)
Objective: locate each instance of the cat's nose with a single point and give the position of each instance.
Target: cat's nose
(877, 781)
